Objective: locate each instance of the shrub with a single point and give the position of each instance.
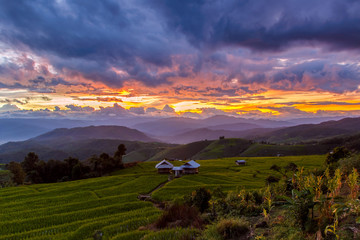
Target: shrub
(337, 154)
(17, 171)
(199, 198)
(272, 179)
(232, 228)
(347, 164)
(291, 167)
(179, 215)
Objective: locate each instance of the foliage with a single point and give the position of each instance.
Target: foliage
(5, 178)
(300, 204)
(17, 172)
(120, 152)
(232, 228)
(179, 215)
(353, 181)
(200, 199)
(75, 210)
(349, 163)
(272, 179)
(337, 154)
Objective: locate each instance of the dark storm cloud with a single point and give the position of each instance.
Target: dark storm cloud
(318, 75)
(265, 24)
(90, 37)
(112, 41)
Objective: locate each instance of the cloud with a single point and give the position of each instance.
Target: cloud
(75, 108)
(168, 109)
(137, 110)
(91, 39)
(282, 23)
(318, 75)
(212, 111)
(115, 111)
(9, 108)
(152, 110)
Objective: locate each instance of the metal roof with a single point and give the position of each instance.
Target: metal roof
(177, 168)
(164, 164)
(191, 164)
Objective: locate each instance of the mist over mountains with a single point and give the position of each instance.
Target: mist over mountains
(173, 129)
(157, 137)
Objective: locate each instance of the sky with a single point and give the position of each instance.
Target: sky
(247, 58)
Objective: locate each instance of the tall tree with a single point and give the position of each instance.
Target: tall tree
(17, 171)
(30, 161)
(120, 152)
(107, 163)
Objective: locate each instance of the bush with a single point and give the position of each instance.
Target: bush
(337, 154)
(232, 228)
(347, 164)
(199, 198)
(179, 215)
(17, 171)
(272, 179)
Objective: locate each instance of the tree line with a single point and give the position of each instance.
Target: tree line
(34, 170)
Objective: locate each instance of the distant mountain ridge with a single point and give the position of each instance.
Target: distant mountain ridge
(179, 125)
(307, 132)
(82, 142)
(96, 132)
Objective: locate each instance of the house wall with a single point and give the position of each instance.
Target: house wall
(164, 170)
(191, 170)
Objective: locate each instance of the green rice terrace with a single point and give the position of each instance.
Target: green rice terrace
(109, 208)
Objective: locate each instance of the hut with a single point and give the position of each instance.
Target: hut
(177, 171)
(240, 162)
(164, 166)
(191, 167)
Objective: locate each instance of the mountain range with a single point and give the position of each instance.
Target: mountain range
(82, 142)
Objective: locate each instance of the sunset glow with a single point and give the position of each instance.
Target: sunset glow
(216, 60)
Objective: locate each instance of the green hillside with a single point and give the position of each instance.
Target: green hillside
(223, 148)
(82, 149)
(259, 150)
(76, 210)
(232, 147)
(186, 151)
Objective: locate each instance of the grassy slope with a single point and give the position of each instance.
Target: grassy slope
(186, 151)
(258, 150)
(224, 172)
(223, 148)
(232, 147)
(74, 210)
(82, 149)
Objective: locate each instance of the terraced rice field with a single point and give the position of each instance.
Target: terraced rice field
(77, 210)
(224, 173)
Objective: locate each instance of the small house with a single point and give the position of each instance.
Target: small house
(178, 171)
(240, 162)
(190, 167)
(164, 167)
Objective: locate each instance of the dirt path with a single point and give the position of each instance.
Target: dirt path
(147, 196)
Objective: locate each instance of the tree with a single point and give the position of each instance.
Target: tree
(337, 154)
(5, 179)
(77, 172)
(120, 152)
(107, 163)
(95, 164)
(30, 161)
(17, 171)
(200, 199)
(71, 162)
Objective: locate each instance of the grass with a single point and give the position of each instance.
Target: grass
(76, 210)
(224, 173)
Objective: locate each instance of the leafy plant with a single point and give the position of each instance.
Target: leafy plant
(353, 181)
